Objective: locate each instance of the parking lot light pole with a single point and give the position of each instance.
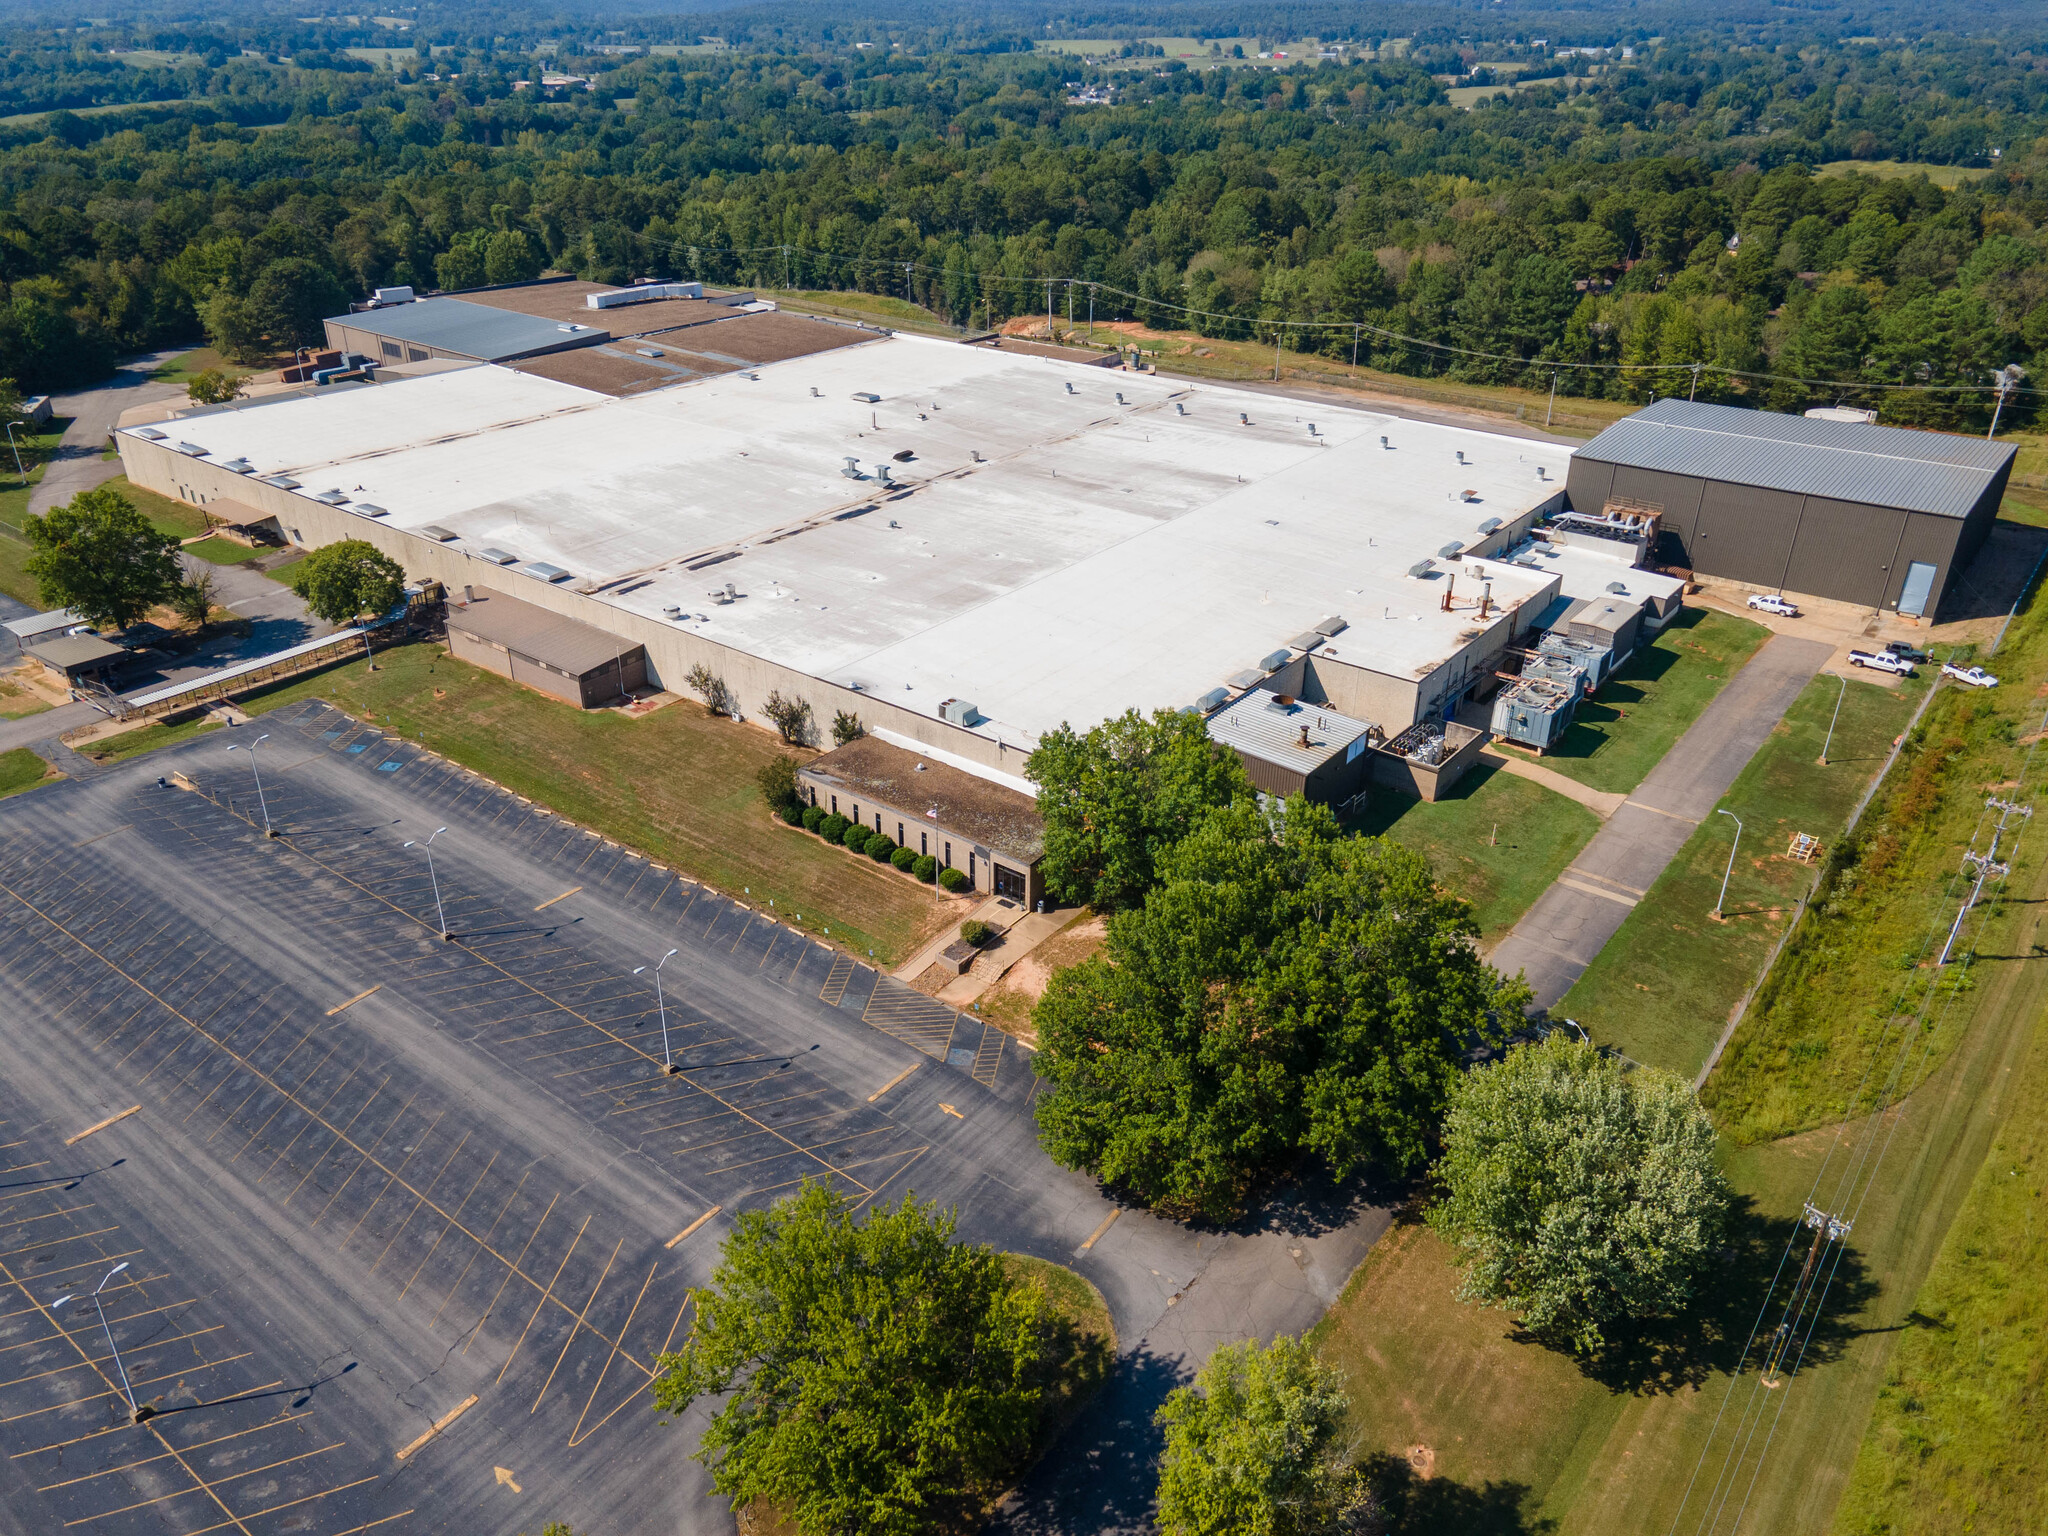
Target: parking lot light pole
(668, 1062)
(136, 1414)
(250, 748)
(1832, 719)
(18, 470)
(439, 916)
(1722, 899)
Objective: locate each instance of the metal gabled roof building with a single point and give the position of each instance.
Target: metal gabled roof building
(1882, 517)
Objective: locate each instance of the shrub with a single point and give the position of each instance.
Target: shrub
(711, 687)
(833, 827)
(952, 879)
(792, 813)
(976, 933)
(813, 816)
(792, 717)
(846, 728)
(880, 848)
(777, 778)
(925, 867)
(903, 858)
(856, 836)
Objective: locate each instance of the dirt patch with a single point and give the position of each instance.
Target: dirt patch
(1422, 1459)
(933, 980)
(1008, 1003)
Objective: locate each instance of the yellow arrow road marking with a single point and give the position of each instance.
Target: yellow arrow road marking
(505, 1477)
(949, 1109)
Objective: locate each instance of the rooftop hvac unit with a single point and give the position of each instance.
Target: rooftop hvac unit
(282, 482)
(960, 712)
(642, 293)
(150, 433)
(369, 509)
(1489, 525)
(399, 295)
(647, 351)
(439, 534)
(1273, 662)
(1450, 551)
(498, 556)
(1422, 568)
(867, 397)
(542, 571)
(1213, 699)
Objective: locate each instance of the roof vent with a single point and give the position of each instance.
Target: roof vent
(1384, 443)
(499, 556)
(672, 613)
(1070, 388)
(1333, 625)
(1273, 661)
(1244, 418)
(194, 449)
(1312, 429)
(438, 534)
(239, 467)
(543, 571)
(1461, 455)
(151, 433)
(1468, 495)
(1213, 699)
(1489, 525)
(1541, 473)
(282, 482)
(1422, 568)
(1308, 640)
(1246, 678)
(333, 498)
(1617, 588)
(882, 474)
(1450, 551)
(1120, 398)
(975, 455)
(867, 397)
(1282, 703)
(369, 509)
(851, 469)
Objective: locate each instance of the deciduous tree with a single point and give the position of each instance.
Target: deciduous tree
(878, 1371)
(100, 556)
(1284, 992)
(1576, 1194)
(1248, 1445)
(343, 582)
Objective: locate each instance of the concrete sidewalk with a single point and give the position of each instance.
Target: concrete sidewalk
(1570, 923)
(1601, 803)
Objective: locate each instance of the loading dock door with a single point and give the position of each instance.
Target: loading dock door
(1919, 582)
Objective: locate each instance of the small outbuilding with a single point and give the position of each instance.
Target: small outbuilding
(989, 832)
(538, 647)
(73, 657)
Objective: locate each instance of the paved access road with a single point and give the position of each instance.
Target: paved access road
(379, 1182)
(77, 465)
(1571, 921)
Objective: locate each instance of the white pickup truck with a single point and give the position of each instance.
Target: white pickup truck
(1969, 677)
(1882, 661)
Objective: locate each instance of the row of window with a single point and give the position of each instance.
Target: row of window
(924, 838)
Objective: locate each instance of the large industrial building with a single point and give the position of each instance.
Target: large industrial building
(1877, 516)
(964, 546)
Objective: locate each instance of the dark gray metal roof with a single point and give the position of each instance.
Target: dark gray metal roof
(566, 644)
(1848, 461)
(473, 330)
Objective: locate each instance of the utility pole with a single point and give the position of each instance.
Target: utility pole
(1986, 865)
(2007, 379)
(1091, 311)
(1826, 1229)
(1276, 352)
(1722, 900)
(1048, 309)
(1844, 680)
(1354, 346)
(1692, 394)
(1070, 306)
(1553, 401)
(786, 284)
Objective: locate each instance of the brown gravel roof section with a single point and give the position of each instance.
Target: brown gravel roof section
(602, 368)
(768, 338)
(564, 302)
(1002, 819)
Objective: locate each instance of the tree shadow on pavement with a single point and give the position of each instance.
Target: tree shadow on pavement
(1100, 1476)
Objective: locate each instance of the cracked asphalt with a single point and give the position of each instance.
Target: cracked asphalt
(409, 1221)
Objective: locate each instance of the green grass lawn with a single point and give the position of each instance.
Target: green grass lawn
(165, 513)
(147, 738)
(677, 785)
(1497, 840)
(21, 769)
(181, 369)
(1625, 729)
(219, 551)
(36, 449)
(1665, 985)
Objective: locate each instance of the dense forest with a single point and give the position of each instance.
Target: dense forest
(1658, 222)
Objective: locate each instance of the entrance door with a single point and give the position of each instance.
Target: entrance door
(1009, 882)
(1919, 582)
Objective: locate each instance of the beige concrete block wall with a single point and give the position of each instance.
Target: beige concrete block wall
(671, 652)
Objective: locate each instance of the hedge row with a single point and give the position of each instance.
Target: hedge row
(835, 828)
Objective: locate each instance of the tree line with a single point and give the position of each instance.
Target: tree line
(1660, 226)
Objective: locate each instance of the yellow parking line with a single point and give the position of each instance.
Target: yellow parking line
(340, 1007)
(440, 1424)
(553, 899)
(892, 1082)
(693, 1226)
(133, 1109)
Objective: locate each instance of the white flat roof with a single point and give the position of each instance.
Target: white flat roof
(1049, 553)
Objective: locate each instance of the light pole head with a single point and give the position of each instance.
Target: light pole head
(60, 1301)
(405, 845)
(260, 740)
(117, 1269)
(638, 969)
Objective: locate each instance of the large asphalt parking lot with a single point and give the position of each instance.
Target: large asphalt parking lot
(407, 1222)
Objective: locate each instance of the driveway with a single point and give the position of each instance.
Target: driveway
(1572, 921)
(93, 412)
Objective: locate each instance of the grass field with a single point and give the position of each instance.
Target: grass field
(166, 514)
(21, 769)
(677, 785)
(1666, 984)
(1497, 840)
(1625, 729)
(1894, 170)
(36, 449)
(147, 738)
(185, 366)
(218, 551)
